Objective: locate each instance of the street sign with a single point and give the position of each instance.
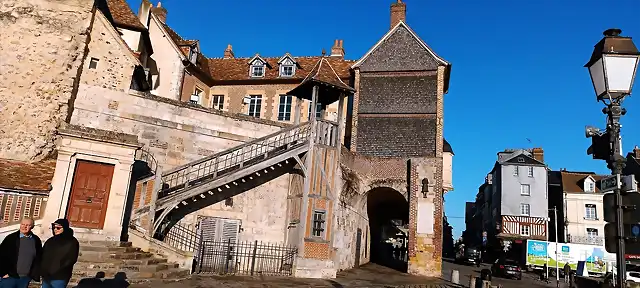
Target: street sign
(631, 234)
(629, 215)
(609, 184)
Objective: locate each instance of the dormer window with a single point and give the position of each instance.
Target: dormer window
(287, 66)
(193, 55)
(257, 68)
(589, 185)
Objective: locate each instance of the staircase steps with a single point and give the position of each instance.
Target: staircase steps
(112, 257)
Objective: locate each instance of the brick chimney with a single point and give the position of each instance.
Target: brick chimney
(144, 12)
(538, 154)
(398, 13)
(228, 53)
(160, 12)
(337, 50)
(636, 152)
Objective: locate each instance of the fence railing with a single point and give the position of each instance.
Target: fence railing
(229, 160)
(16, 206)
(327, 133)
(591, 240)
(182, 238)
(145, 155)
(245, 258)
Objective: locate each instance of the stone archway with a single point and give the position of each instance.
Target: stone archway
(388, 211)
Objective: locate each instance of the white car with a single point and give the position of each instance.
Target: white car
(633, 276)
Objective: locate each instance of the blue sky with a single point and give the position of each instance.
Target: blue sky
(517, 65)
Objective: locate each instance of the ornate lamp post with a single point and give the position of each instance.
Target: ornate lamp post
(613, 67)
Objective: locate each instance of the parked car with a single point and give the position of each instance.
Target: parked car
(506, 268)
(633, 276)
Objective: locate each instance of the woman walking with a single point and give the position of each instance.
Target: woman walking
(59, 254)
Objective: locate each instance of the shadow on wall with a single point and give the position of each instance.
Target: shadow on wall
(119, 280)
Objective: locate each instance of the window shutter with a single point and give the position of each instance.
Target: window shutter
(229, 231)
(208, 229)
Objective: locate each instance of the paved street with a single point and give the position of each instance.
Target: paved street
(370, 275)
(528, 280)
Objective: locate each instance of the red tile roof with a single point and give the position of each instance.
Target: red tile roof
(573, 182)
(18, 175)
(238, 68)
(123, 15)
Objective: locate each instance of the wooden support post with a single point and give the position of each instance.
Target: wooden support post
(296, 118)
(157, 186)
(307, 179)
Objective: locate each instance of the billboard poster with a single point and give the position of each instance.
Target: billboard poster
(596, 258)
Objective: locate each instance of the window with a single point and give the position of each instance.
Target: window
(530, 172)
(217, 102)
(590, 212)
(515, 170)
(286, 71)
(318, 110)
(257, 69)
(520, 160)
(525, 210)
(195, 98)
(592, 232)
(193, 55)
(284, 110)
(524, 230)
(590, 186)
(255, 105)
(525, 189)
(93, 63)
(318, 223)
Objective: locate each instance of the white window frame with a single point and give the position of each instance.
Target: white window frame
(525, 230)
(525, 209)
(590, 232)
(319, 232)
(525, 189)
(288, 102)
(255, 100)
(594, 212)
(217, 101)
(93, 63)
(283, 69)
(530, 171)
(590, 186)
(516, 171)
(196, 97)
(254, 67)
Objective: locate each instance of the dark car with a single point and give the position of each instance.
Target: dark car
(507, 269)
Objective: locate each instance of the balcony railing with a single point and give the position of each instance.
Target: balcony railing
(590, 240)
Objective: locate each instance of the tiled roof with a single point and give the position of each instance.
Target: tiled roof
(176, 37)
(202, 62)
(123, 15)
(238, 68)
(35, 177)
(573, 182)
(324, 72)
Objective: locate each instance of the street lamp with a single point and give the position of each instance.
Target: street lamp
(612, 67)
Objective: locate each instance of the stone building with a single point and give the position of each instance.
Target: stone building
(145, 139)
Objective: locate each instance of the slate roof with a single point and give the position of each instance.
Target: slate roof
(123, 15)
(33, 177)
(573, 182)
(446, 147)
(232, 69)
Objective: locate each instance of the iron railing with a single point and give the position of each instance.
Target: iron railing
(145, 155)
(227, 161)
(590, 240)
(182, 238)
(245, 258)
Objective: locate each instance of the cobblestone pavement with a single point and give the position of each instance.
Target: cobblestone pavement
(529, 280)
(370, 275)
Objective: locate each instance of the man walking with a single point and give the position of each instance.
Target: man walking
(20, 254)
(59, 254)
(567, 272)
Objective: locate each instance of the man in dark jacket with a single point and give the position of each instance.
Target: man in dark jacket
(59, 254)
(19, 257)
(567, 272)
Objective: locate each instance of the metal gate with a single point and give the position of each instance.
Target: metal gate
(220, 252)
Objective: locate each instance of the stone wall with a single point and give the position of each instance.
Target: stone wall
(42, 46)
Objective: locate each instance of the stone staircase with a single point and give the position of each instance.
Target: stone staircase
(111, 257)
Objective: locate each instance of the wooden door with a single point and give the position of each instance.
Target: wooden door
(89, 194)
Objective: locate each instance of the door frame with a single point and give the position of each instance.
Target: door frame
(103, 215)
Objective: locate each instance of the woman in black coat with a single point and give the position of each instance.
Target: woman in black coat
(59, 254)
